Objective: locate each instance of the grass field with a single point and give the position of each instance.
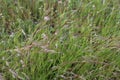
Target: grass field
(59, 39)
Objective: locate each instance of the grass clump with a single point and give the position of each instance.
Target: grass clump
(59, 39)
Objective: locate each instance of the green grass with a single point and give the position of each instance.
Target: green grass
(60, 40)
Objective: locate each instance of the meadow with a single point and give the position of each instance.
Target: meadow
(59, 39)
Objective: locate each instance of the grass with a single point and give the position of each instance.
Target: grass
(60, 40)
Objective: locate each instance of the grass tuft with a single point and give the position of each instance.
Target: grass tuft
(59, 40)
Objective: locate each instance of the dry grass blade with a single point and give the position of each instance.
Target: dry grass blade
(33, 45)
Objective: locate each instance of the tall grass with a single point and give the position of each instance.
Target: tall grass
(60, 39)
